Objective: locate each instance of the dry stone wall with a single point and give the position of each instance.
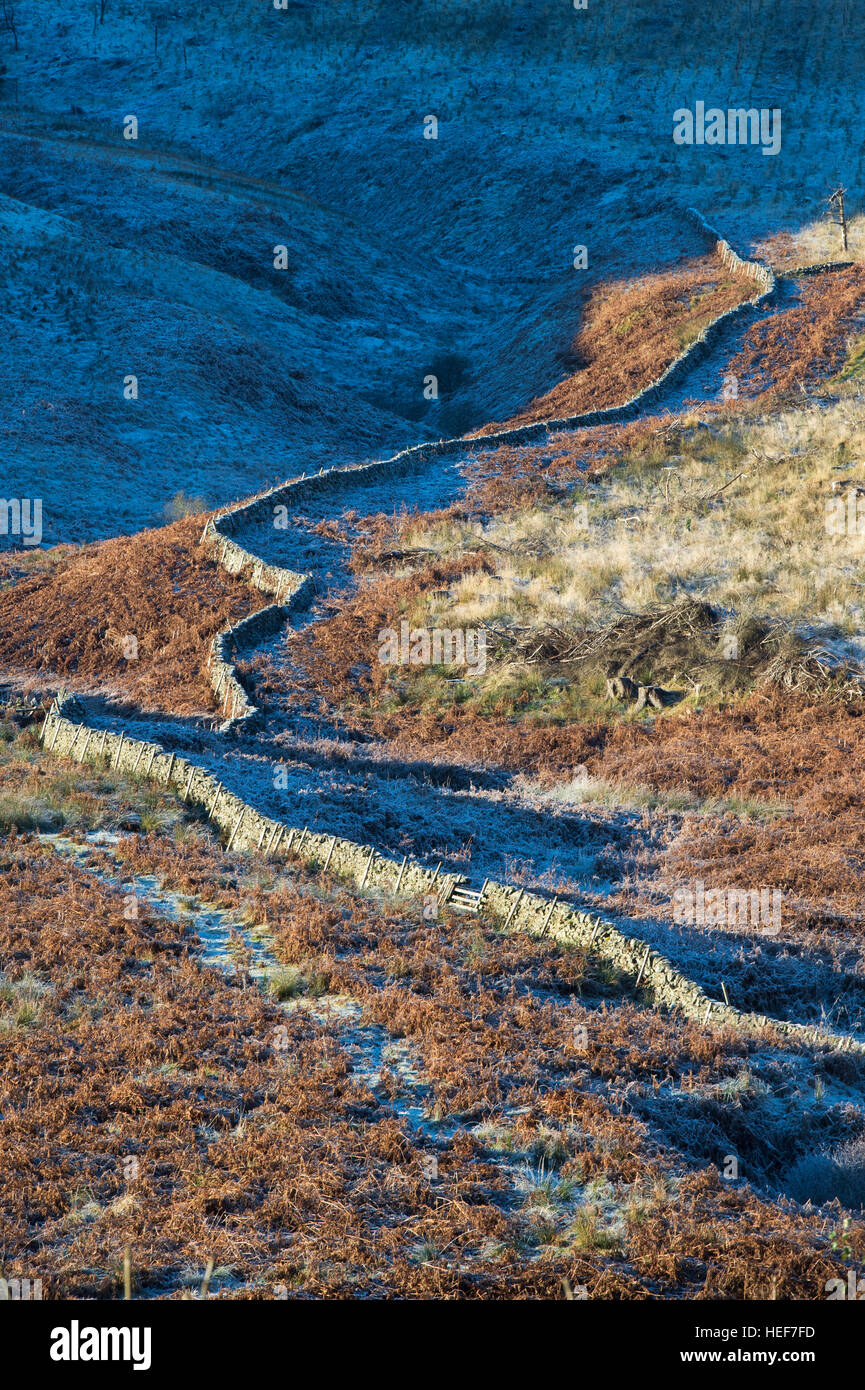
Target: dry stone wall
(364, 868)
(288, 586)
(751, 270)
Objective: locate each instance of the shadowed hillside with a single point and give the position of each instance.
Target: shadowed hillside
(405, 258)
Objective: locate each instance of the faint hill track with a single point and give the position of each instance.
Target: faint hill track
(173, 167)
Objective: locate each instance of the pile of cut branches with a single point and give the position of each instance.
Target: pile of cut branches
(690, 643)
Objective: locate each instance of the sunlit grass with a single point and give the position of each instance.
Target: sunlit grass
(749, 514)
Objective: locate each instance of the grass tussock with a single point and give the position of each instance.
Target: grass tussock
(826, 1176)
(39, 791)
(814, 244)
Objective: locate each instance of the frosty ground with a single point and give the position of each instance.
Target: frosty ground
(252, 1082)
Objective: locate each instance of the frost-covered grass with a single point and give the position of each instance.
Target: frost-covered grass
(598, 791)
(817, 242)
(407, 257)
(41, 792)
